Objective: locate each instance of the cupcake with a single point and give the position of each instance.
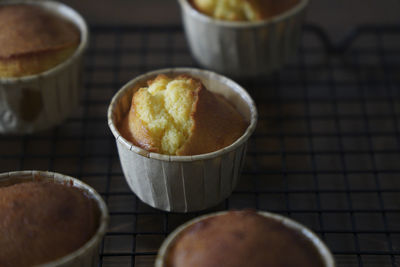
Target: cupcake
(189, 166)
(48, 218)
(40, 63)
(243, 238)
(243, 38)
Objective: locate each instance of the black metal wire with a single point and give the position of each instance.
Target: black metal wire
(324, 184)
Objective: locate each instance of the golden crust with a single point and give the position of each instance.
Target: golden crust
(33, 40)
(215, 123)
(29, 29)
(140, 132)
(43, 221)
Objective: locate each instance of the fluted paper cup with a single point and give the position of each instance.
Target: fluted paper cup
(243, 49)
(88, 254)
(183, 183)
(36, 102)
(324, 252)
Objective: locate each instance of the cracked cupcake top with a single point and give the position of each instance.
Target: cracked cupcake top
(179, 116)
(242, 10)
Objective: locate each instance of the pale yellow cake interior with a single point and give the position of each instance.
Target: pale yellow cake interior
(164, 108)
(243, 10)
(228, 9)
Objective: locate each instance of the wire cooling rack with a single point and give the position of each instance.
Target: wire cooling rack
(326, 151)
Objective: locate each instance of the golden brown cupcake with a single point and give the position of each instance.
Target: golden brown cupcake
(241, 238)
(33, 40)
(179, 116)
(243, 10)
(43, 221)
(183, 183)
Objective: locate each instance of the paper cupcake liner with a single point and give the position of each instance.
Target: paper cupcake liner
(32, 103)
(88, 254)
(309, 235)
(183, 183)
(243, 49)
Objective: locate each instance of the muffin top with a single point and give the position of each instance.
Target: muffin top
(43, 221)
(241, 238)
(179, 116)
(29, 29)
(243, 10)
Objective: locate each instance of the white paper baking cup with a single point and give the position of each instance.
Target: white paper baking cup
(243, 49)
(88, 254)
(56, 91)
(319, 245)
(183, 183)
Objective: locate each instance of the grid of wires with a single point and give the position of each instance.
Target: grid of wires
(326, 151)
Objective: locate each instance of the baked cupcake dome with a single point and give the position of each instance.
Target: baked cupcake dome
(62, 216)
(43, 221)
(179, 116)
(243, 238)
(33, 40)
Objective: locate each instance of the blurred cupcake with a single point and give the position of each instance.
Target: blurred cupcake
(243, 38)
(243, 238)
(40, 64)
(243, 10)
(48, 218)
(181, 136)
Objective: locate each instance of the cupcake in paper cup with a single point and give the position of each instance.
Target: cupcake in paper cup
(181, 136)
(42, 45)
(243, 38)
(243, 238)
(51, 220)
